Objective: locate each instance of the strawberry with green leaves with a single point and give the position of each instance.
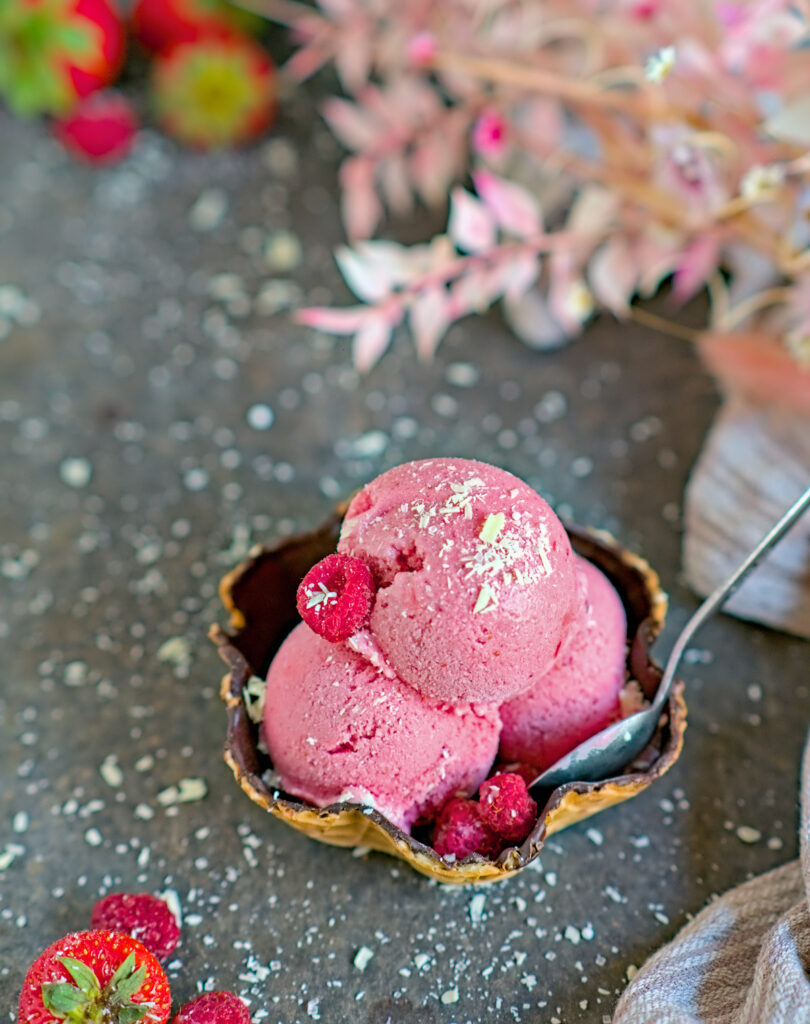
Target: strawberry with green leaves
(160, 24)
(95, 977)
(217, 91)
(55, 52)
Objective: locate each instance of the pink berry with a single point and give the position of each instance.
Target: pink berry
(335, 597)
(507, 807)
(460, 831)
(526, 771)
(214, 1008)
(100, 129)
(141, 915)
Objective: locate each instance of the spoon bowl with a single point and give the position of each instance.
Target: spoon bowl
(610, 750)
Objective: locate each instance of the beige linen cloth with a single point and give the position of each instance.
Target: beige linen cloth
(745, 959)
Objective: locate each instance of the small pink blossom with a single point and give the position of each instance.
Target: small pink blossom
(422, 48)
(490, 135)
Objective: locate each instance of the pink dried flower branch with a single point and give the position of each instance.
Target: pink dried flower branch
(660, 139)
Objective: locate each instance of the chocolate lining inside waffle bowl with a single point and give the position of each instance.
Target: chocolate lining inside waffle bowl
(260, 597)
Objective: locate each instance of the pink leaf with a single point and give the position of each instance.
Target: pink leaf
(354, 127)
(353, 58)
(613, 275)
(370, 342)
(514, 208)
(519, 274)
(438, 158)
(697, 264)
(367, 278)
(530, 319)
(593, 211)
(429, 320)
(474, 292)
(360, 206)
(333, 321)
(395, 185)
(305, 62)
(471, 226)
(541, 121)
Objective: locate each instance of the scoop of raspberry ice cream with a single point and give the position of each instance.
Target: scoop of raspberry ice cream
(580, 694)
(337, 729)
(477, 588)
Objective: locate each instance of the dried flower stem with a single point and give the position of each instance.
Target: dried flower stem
(660, 323)
(539, 80)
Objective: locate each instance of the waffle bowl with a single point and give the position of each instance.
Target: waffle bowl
(260, 597)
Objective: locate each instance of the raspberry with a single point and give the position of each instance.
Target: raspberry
(100, 129)
(141, 915)
(507, 807)
(526, 771)
(460, 831)
(214, 1008)
(335, 597)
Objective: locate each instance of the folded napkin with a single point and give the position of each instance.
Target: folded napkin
(745, 959)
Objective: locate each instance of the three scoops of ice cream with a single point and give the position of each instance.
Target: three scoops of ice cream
(454, 627)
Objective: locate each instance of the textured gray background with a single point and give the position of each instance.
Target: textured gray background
(123, 347)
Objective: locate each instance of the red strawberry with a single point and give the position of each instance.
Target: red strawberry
(460, 831)
(506, 806)
(141, 915)
(54, 52)
(214, 1008)
(335, 597)
(217, 91)
(161, 24)
(94, 977)
(100, 129)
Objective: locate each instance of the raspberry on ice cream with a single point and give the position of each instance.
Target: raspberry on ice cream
(580, 694)
(335, 597)
(460, 831)
(477, 589)
(339, 730)
(506, 806)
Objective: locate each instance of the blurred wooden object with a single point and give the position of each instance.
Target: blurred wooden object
(754, 464)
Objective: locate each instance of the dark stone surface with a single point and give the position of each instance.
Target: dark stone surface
(121, 347)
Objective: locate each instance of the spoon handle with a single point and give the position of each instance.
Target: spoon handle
(724, 591)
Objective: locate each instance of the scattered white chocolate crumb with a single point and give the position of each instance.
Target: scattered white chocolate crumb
(10, 853)
(254, 695)
(493, 524)
(175, 651)
(363, 957)
(172, 900)
(318, 598)
(75, 472)
(186, 791)
(111, 772)
(486, 601)
(477, 904)
(747, 834)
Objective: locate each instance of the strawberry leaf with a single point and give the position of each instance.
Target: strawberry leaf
(132, 1013)
(125, 968)
(127, 988)
(61, 998)
(82, 975)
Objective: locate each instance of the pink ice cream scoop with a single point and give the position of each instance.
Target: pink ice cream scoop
(339, 730)
(579, 695)
(477, 586)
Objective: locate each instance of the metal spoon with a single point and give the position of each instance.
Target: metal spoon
(604, 754)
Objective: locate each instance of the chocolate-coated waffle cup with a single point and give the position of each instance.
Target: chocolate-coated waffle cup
(260, 596)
